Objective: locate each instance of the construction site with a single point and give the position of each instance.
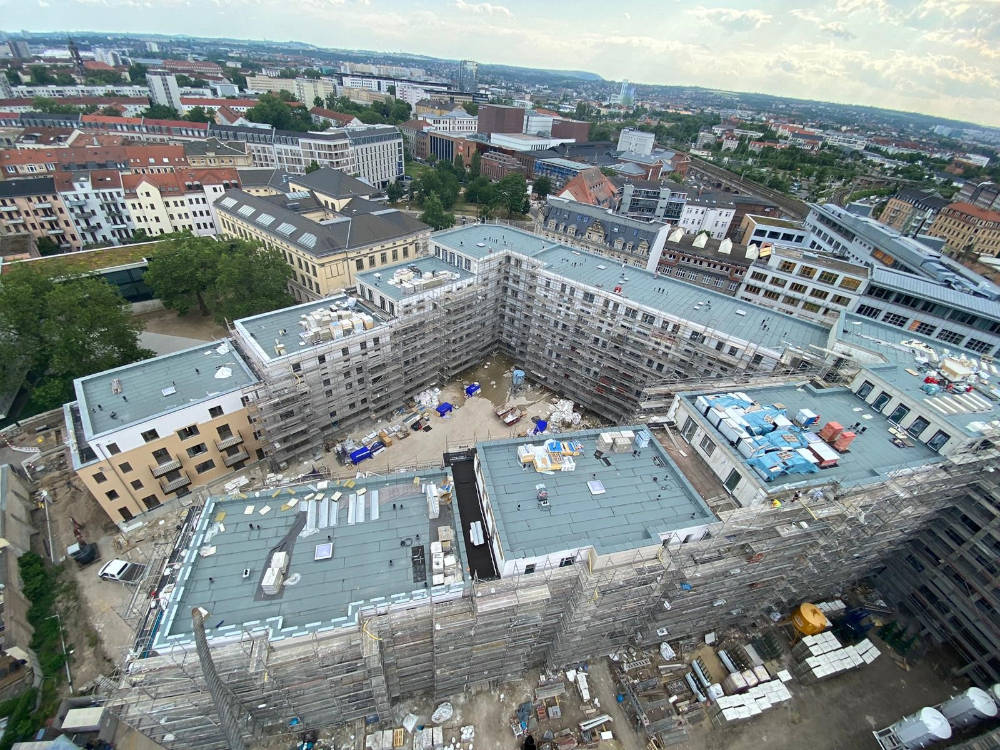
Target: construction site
(609, 532)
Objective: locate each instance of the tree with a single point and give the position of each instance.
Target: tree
(198, 114)
(512, 192)
(475, 164)
(48, 246)
(311, 73)
(61, 330)
(234, 75)
(228, 279)
(103, 77)
(480, 190)
(40, 75)
(274, 110)
(53, 106)
(286, 96)
(394, 191)
(317, 101)
(542, 187)
(13, 76)
(313, 166)
(160, 112)
(583, 110)
(392, 90)
(471, 107)
(459, 166)
(137, 73)
(434, 214)
(110, 111)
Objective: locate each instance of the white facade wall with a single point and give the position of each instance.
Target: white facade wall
(99, 215)
(713, 219)
(61, 92)
(637, 141)
(163, 89)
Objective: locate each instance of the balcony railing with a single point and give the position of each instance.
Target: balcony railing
(229, 442)
(161, 469)
(236, 458)
(175, 484)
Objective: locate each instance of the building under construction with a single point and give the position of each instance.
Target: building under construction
(771, 461)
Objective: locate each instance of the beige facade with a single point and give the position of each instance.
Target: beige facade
(35, 207)
(132, 482)
(17, 530)
(968, 228)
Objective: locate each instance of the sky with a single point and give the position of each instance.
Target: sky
(939, 57)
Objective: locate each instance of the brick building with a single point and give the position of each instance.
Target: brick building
(494, 118)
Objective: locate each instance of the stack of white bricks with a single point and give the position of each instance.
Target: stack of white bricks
(732, 708)
(824, 661)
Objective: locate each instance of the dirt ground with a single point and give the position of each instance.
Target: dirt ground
(192, 325)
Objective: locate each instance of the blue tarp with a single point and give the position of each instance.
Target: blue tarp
(444, 408)
(518, 377)
(540, 425)
(472, 390)
(762, 422)
(360, 455)
(724, 401)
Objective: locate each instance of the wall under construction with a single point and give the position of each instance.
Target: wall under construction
(490, 632)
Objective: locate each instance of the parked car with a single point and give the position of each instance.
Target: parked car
(122, 570)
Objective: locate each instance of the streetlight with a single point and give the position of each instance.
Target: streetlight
(69, 677)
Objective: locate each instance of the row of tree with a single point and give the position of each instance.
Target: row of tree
(56, 326)
(390, 111)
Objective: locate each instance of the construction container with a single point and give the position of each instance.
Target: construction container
(806, 418)
(827, 456)
(734, 683)
(831, 430)
(926, 726)
(844, 440)
(968, 708)
(715, 416)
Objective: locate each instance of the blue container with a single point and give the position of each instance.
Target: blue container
(360, 455)
(518, 377)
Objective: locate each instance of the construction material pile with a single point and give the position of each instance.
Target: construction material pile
(330, 323)
(823, 656)
(562, 414)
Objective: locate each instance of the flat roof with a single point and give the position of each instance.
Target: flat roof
(871, 456)
(558, 161)
(426, 265)
(283, 326)
(481, 240)
(775, 222)
(886, 341)
(644, 496)
(327, 593)
(135, 393)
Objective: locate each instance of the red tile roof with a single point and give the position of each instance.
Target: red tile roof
(342, 118)
(974, 211)
(96, 65)
(208, 101)
(177, 182)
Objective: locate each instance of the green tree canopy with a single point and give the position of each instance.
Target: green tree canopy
(394, 191)
(198, 114)
(13, 76)
(103, 77)
(137, 73)
(471, 107)
(312, 167)
(275, 110)
(40, 75)
(227, 279)
(161, 112)
(475, 164)
(110, 111)
(512, 192)
(434, 214)
(234, 75)
(61, 330)
(542, 186)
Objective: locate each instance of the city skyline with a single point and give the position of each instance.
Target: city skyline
(929, 56)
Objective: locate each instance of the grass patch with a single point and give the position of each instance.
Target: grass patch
(86, 261)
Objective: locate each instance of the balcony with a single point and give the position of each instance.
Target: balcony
(56, 231)
(242, 455)
(175, 484)
(161, 469)
(9, 208)
(229, 442)
(43, 205)
(13, 221)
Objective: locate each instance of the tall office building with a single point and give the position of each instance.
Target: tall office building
(163, 89)
(467, 78)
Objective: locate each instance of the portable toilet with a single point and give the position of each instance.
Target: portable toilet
(517, 377)
(968, 707)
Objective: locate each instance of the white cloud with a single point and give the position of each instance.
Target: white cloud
(804, 14)
(733, 19)
(484, 9)
(879, 8)
(837, 29)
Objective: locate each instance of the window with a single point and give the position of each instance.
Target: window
(925, 329)
(100, 478)
(125, 466)
(810, 307)
(732, 480)
(807, 272)
(827, 277)
(894, 320)
(196, 450)
(839, 299)
(866, 388)
(215, 411)
(937, 442)
(707, 445)
(126, 514)
(949, 337)
(899, 413)
(149, 436)
(797, 288)
(566, 562)
(850, 284)
(975, 345)
(150, 501)
(359, 264)
(818, 294)
(787, 266)
(112, 494)
(136, 484)
(161, 456)
(868, 311)
(758, 276)
(187, 432)
(917, 426)
(529, 568)
(880, 401)
(321, 359)
(205, 466)
(778, 282)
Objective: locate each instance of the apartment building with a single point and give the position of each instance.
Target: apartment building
(559, 170)
(810, 285)
(212, 153)
(163, 89)
(177, 201)
(708, 212)
(143, 159)
(593, 187)
(309, 89)
(456, 121)
(967, 229)
(147, 432)
(16, 504)
(34, 205)
(982, 194)
(97, 206)
(912, 211)
(326, 242)
(322, 115)
(652, 200)
(636, 141)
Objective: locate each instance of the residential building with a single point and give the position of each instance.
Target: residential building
(19, 49)
(56, 91)
(96, 205)
(142, 434)
(136, 159)
(494, 118)
(321, 115)
(409, 130)
(650, 165)
(34, 205)
(719, 265)
(456, 121)
(967, 229)
(177, 201)
(593, 187)
(213, 104)
(560, 171)
(911, 211)
(648, 199)
(265, 84)
(767, 230)
(163, 89)
(307, 90)
(810, 285)
(982, 194)
(710, 212)
(212, 153)
(633, 140)
(193, 68)
(326, 242)
(495, 165)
